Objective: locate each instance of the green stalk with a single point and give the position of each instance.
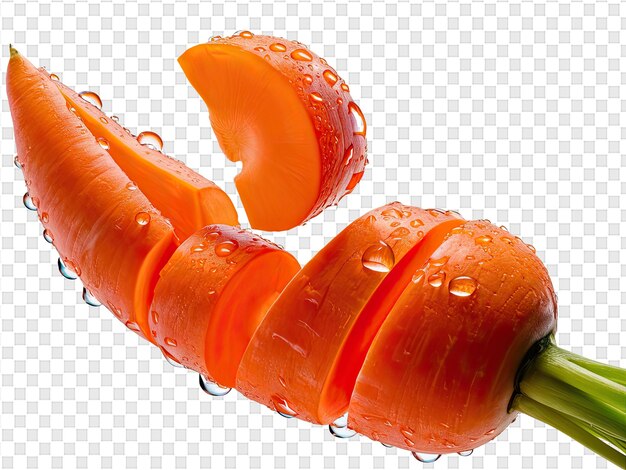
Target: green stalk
(582, 398)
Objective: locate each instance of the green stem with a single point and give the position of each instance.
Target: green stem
(583, 398)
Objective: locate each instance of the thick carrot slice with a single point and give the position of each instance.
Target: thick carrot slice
(295, 359)
(283, 112)
(112, 237)
(440, 373)
(212, 295)
(188, 199)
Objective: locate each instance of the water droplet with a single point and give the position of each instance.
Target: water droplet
(399, 233)
(282, 407)
(483, 240)
(150, 138)
(392, 212)
(339, 101)
(28, 202)
(490, 432)
(531, 248)
(378, 258)
(439, 262)
(507, 240)
(416, 223)
(215, 38)
(89, 298)
(155, 317)
(315, 98)
(462, 286)
(115, 119)
(45, 217)
(388, 446)
(330, 77)
(259, 49)
(246, 34)
(170, 359)
(71, 108)
(436, 280)
(171, 342)
(55, 77)
(418, 276)
(359, 120)
(142, 218)
(302, 55)
(211, 292)
(347, 156)
(91, 97)
(343, 432)
(17, 163)
(199, 247)
(47, 236)
(341, 422)
(226, 248)
(356, 177)
(131, 186)
(426, 458)
(278, 47)
(65, 271)
(103, 143)
(307, 79)
(211, 388)
(345, 87)
(466, 453)
(131, 325)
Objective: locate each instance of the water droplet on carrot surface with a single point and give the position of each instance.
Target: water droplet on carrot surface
(418, 276)
(199, 247)
(426, 458)
(215, 38)
(142, 218)
(330, 77)
(315, 98)
(378, 258)
(345, 87)
(65, 271)
(399, 233)
(131, 325)
(302, 55)
(283, 407)
(103, 143)
(439, 262)
(28, 202)
(150, 138)
(466, 453)
(115, 118)
(211, 388)
(92, 98)
(339, 101)
(155, 317)
(416, 223)
(170, 359)
(348, 154)
(226, 248)
(171, 342)
(90, 299)
(131, 186)
(392, 212)
(45, 217)
(17, 163)
(360, 126)
(246, 34)
(278, 47)
(531, 248)
(462, 286)
(436, 280)
(507, 240)
(47, 236)
(483, 239)
(307, 79)
(342, 432)
(55, 77)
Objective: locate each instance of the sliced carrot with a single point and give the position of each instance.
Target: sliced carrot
(440, 373)
(285, 113)
(112, 237)
(307, 333)
(189, 200)
(212, 295)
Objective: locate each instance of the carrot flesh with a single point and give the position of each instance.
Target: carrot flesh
(211, 296)
(113, 238)
(454, 341)
(298, 343)
(188, 199)
(281, 110)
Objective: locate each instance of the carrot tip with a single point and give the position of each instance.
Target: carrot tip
(13, 51)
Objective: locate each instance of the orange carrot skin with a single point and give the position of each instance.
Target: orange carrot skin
(440, 373)
(201, 316)
(188, 199)
(288, 361)
(83, 200)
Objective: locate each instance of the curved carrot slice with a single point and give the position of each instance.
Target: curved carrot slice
(212, 295)
(285, 113)
(112, 237)
(188, 199)
(295, 359)
(439, 375)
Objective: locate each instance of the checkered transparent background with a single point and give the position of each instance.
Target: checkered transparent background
(515, 112)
